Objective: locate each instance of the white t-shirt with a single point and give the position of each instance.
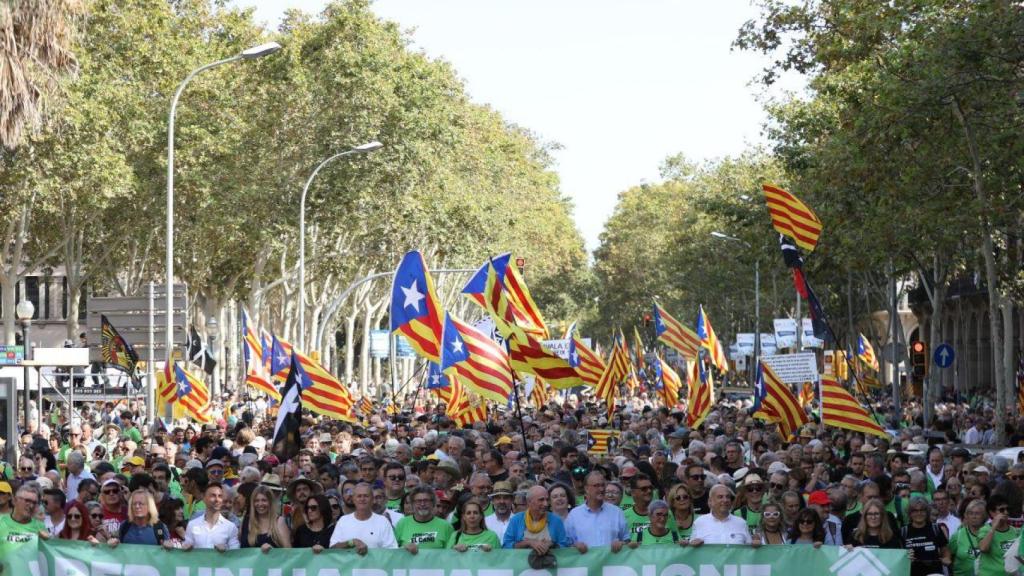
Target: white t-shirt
(375, 532)
(499, 527)
(732, 530)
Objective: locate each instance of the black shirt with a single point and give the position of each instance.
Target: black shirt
(851, 520)
(874, 542)
(926, 542)
(700, 504)
(306, 538)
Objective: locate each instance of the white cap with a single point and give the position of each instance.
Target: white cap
(777, 466)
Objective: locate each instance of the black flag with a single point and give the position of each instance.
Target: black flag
(287, 442)
(198, 353)
(791, 256)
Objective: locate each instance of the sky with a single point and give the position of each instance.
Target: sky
(618, 85)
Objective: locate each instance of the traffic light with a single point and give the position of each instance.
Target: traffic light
(919, 359)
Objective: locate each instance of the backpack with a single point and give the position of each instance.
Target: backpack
(159, 531)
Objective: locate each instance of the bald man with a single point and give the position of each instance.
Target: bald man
(536, 528)
(720, 526)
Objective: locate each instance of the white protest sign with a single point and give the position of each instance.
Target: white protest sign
(794, 368)
(809, 340)
(785, 332)
(745, 343)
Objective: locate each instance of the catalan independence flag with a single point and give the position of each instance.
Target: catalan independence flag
(602, 441)
(280, 359)
(481, 364)
(192, 395)
(777, 402)
(499, 288)
(668, 381)
(166, 389)
(840, 410)
(366, 405)
(616, 369)
(674, 334)
(256, 374)
(709, 341)
(792, 218)
(865, 353)
(701, 394)
(587, 363)
(322, 392)
(415, 310)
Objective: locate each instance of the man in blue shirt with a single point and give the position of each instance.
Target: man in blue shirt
(596, 522)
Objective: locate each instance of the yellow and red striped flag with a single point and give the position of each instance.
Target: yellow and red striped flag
(674, 334)
(866, 353)
(256, 372)
(670, 383)
(322, 392)
(616, 369)
(192, 395)
(366, 405)
(792, 218)
(776, 402)
(700, 397)
(602, 441)
(588, 364)
(807, 394)
(710, 342)
(840, 410)
(539, 393)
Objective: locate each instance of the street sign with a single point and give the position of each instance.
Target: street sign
(379, 345)
(944, 355)
(130, 317)
(901, 353)
(11, 355)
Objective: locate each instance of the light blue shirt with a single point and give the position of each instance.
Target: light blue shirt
(598, 528)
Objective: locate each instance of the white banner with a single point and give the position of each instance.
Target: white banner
(561, 346)
(794, 368)
(768, 345)
(785, 332)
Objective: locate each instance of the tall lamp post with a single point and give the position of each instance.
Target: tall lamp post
(361, 149)
(757, 295)
(212, 331)
(249, 54)
(24, 312)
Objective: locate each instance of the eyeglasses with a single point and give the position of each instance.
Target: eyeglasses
(644, 488)
(30, 501)
(696, 476)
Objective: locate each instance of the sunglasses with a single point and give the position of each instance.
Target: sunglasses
(681, 497)
(1016, 477)
(806, 521)
(755, 488)
(114, 491)
(335, 507)
(312, 508)
(778, 486)
(696, 476)
(94, 516)
(771, 514)
(24, 469)
(74, 516)
(644, 488)
(396, 478)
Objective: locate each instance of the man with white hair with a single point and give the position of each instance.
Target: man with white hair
(76, 473)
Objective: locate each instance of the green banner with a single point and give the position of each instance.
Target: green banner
(64, 558)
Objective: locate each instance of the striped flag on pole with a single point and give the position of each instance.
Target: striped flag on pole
(840, 410)
(792, 218)
(674, 334)
(777, 402)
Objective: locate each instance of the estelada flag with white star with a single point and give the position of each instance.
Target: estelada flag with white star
(416, 312)
(481, 364)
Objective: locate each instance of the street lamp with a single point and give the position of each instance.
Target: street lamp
(361, 149)
(212, 331)
(757, 296)
(24, 312)
(249, 54)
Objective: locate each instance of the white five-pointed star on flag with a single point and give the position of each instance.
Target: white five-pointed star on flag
(282, 359)
(457, 346)
(412, 296)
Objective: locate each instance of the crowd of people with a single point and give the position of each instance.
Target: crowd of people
(416, 481)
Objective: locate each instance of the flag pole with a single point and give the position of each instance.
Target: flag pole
(519, 408)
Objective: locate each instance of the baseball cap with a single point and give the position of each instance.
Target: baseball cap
(134, 461)
(503, 441)
(215, 462)
(5, 487)
(818, 498)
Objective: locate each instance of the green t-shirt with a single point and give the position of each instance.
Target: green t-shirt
(395, 504)
(648, 539)
(963, 548)
(992, 561)
(475, 541)
(856, 508)
(636, 522)
(427, 535)
(627, 502)
(14, 532)
(133, 434)
(752, 517)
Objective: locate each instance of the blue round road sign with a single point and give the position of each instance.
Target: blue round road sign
(944, 355)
